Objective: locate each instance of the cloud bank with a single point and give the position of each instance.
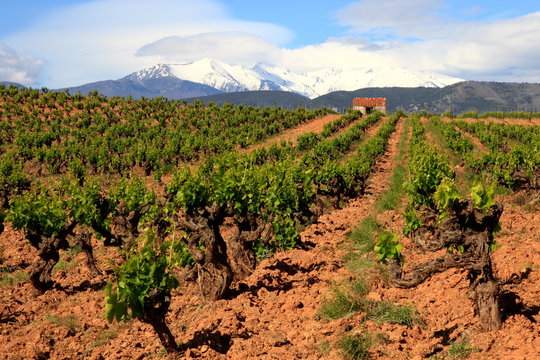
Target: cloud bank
(22, 69)
(99, 39)
(231, 47)
(108, 39)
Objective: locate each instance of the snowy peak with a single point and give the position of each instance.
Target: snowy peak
(222, 76)
(234, 78)
(153, 72)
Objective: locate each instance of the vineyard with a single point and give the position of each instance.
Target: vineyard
(140, 229)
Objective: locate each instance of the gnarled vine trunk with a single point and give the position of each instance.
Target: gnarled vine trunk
(242, 257)
(156, 307)
(48, 252)
(209, 251)
(84, 241)
(469, 232)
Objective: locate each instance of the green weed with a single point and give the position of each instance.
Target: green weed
(69, 321)
(387, 312)
(461, 349)
(355, 346)
(13, 278)
(363, 236)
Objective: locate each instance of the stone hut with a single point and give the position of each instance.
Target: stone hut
(368, 105)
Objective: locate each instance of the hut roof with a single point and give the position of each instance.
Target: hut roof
(369, 102)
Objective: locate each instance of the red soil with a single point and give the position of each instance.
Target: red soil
(526, 122)
(315, 125)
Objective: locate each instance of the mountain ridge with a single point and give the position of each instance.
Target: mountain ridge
(233, 78)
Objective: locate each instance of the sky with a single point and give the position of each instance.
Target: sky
(60, 43)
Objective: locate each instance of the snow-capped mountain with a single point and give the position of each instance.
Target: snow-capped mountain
(233, 78)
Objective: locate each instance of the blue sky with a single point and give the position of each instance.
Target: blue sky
(59, 43)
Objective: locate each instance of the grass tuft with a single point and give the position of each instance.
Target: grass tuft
(363, 236)
(13, 278)
(355, 346)
(461, 349)
(387, 312)
(345, 302)
(69, 321)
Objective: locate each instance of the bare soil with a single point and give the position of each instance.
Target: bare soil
(315, 125)
(477, 144)
(526, 122)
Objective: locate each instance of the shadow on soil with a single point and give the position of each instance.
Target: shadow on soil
(275, 281)
(215, 340)
(511, 304)
(85, 285)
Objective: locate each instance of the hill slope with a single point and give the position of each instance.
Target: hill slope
(284, 99)
(169, 87)
(461, 97)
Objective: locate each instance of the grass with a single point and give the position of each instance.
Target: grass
(363, 236)
(9, 278)
(358, 258)
(63, 266)
(391, 198)
(461, 349)
(345, 302)
(70, 321)
(387, 312)
(104, 337)
(351, 299)
(355, 346)
(325, 347)
(457, 350)
(66, 263)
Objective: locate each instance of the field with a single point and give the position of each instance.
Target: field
(156, 229)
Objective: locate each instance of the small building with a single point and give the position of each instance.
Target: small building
(368, 105)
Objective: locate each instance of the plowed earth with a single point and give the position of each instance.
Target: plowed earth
(272, 314)
(529, 122)
(316, 126)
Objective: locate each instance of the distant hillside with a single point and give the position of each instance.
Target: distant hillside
(284, 99)
(168, 87)
(461, 97)
(9, 83)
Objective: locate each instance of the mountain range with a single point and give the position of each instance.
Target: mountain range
(209, 77)
(209, 80)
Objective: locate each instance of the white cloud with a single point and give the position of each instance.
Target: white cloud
(479, 50)
(501, 49)
(98, 40)
(108, 39)
(230, 47)
(387, 14)
(343, 53)
(22, 69)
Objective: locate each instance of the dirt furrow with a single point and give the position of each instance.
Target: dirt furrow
(509, 121)
(315, 125)
(369, 132)
(481, 147)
